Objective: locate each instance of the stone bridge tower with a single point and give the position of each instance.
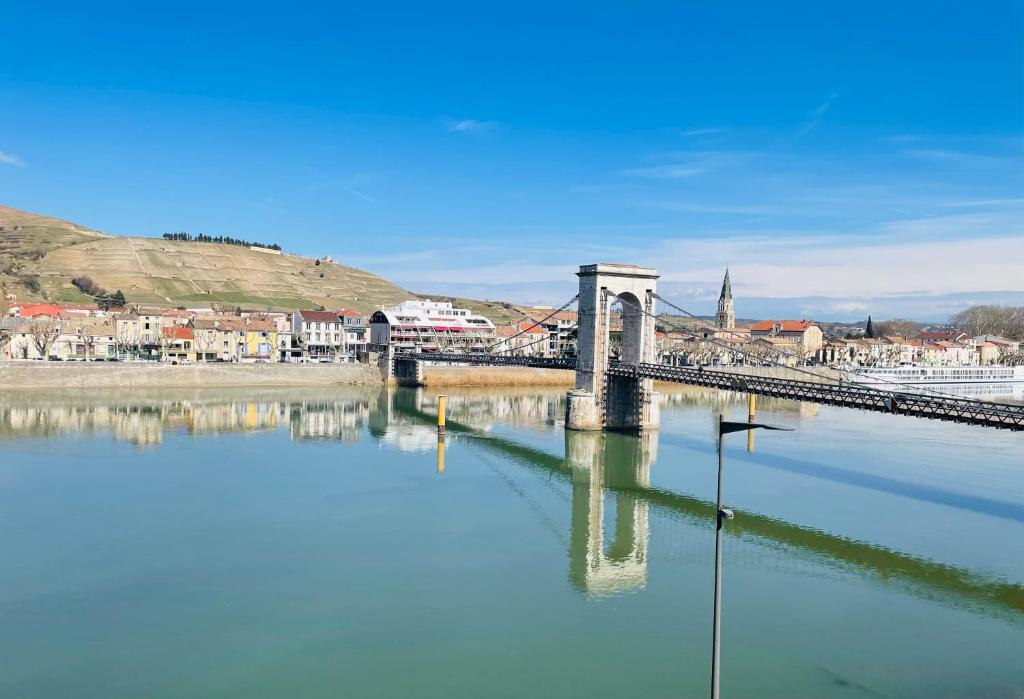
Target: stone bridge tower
(609, 402)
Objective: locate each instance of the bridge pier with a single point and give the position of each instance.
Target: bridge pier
(601, 402)
(407, 372)
(631, 404)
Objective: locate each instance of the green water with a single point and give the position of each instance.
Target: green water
(302, 543)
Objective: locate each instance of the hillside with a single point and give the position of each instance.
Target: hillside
(39, 256)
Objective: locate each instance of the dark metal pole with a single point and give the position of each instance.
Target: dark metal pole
(716, 643)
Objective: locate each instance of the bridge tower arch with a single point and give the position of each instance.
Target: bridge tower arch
(600, 401)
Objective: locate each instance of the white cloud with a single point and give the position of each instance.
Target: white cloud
(662, 171)
(702, 132)
(695, 207)
(817, 115)
(11, 159)
(470, 126)
(962, 159)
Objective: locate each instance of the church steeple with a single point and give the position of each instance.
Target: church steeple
(725, 318)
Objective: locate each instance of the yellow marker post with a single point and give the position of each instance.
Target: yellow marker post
(751, 414)
(440, 455)
(442, 407)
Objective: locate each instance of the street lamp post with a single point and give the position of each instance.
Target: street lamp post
(722, 514)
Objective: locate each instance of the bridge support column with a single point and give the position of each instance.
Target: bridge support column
(602, 402)
(408, 372)
(631, 404)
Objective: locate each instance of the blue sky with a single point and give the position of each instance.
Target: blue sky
(842, 160)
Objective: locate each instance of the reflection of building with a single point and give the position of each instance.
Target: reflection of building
(621, 462)
(329, 420)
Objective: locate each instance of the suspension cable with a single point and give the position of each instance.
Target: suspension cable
(854, 370)
(776, 363)
(531, 327)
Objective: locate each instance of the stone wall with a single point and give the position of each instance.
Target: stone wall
(49, 375)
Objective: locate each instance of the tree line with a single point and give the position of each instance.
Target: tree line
(104, 299)
(1004, 321)
(224, 239)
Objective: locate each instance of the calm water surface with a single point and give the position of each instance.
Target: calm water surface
(309, 543)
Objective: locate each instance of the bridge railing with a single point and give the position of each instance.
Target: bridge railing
(846, 395)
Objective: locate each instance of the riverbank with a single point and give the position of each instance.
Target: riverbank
(101, 375)
(441, 376)
(51, 375)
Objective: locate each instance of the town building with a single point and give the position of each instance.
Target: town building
(178, 344)
(802, 337)
(260, 342)
(431, 326)
(319, 334)
(521, 339)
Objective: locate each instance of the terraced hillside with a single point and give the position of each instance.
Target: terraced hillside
(25, 238)
(152, 270)
(39, 256)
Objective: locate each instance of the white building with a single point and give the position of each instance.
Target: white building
(431, 326)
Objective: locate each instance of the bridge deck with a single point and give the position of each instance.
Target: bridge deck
(963, 410)
(975, 412)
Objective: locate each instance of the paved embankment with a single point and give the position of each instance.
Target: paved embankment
(49, 375)
(435, 376)
(156, 375)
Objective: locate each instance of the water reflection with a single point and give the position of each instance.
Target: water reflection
(607, 476)
(601, 462)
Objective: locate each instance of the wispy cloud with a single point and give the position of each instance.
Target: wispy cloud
(696, 207)
(984, 203)
(817, 115)
(470, 126)
(11, 159)
(960, 158)
(346, 184)
(356, 193)
(702, 132)
(662, 172)
(904, 138)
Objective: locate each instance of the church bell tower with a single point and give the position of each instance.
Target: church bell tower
(725, 318)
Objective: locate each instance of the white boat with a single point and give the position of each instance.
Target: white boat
(934, 375)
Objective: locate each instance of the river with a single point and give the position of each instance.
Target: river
(316, 543)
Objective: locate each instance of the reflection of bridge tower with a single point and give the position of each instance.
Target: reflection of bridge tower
(623, 463)
(613, 402)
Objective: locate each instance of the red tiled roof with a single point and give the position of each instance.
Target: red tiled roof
(533, 329)
(177, 332)
(786, 326)
(320, 316)
(345, 312)
(39, 309)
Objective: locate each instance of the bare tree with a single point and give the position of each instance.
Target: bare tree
(44, 334)
(126, 339)
(5, 339)
(1005, 321)
(204, 339)
(88, 340)
(897, 327)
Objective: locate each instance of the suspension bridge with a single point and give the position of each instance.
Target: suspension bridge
(617, 393)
